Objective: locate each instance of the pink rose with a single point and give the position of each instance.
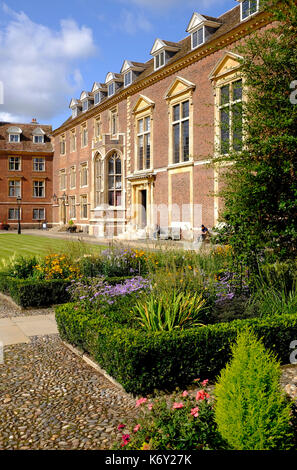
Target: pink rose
(204, 383)
(185, 393)
(201, 395)
(177, 406)
(150, 406)
(121, 426)
(195, 412)
(137, 428)
(140, 401)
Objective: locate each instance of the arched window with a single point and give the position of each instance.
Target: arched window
(98, 180)
(115, 180)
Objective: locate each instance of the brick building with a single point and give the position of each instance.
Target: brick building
(136, 150)
(26, 173)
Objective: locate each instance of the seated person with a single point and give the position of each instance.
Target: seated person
(204, 232)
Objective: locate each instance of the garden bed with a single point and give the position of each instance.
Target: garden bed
(143, 362)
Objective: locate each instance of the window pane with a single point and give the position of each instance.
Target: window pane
(118, 182)
(253, 6)
(176, 112)
(237, 90)
(111, 166)
(118, 166)
(140, 126)
(225, 131)
(118, 198)
(176, 142)
(111, 198)
(148, 151)
(147, 124)
(185, 130)
(111, 182)
(225, 94)
(237, 126)
(245, 8)
(200, 36)
(162, 59)
(195, 39)
(140, 152)
(186, 109)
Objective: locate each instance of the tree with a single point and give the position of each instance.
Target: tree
(260, 185)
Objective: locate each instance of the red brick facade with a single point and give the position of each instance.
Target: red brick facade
(26, 170)
(187, 188)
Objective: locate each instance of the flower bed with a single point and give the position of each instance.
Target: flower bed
(144, 361)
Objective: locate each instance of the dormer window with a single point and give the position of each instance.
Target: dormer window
(128, 78)
(198, 37)
(160, 60)
(38, 139)
(13, 138)
(201, 28)
(111, 89)
(130, 71)
(38, 136)
(248, 8)
(163, 51)
(97, 98)
(14, 135)
(75, 107)
(85, 106)
(99, 92)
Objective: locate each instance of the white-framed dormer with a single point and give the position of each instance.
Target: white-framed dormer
(248, 8)
(38, 136)
(113, 82)
(162, 51)
(14, 134)
(201, 28)
(99, 92)
(86, 100)
(75, 106)
(130, 71)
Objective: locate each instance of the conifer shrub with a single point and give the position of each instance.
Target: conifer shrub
(252, 412)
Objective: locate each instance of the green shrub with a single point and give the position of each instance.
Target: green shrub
(35, 293)
(146, 361)
(252, 412)
(168, 312)
(22, 267)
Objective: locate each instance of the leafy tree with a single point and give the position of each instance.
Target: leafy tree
(260, 185)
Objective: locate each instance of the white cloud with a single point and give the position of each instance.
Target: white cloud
(39, 66)
(132, 22)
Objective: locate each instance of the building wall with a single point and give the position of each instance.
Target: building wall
(26, 151)
(190, 184)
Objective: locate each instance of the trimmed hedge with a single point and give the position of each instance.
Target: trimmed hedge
(40, 293)
(144, 362)
(35, 293)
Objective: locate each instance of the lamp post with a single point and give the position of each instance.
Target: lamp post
(19, 200)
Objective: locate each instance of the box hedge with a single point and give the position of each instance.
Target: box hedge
(40, 293)
(144, 362)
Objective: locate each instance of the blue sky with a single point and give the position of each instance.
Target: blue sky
(51, 51)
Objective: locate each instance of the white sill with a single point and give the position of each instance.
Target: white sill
(181, 164)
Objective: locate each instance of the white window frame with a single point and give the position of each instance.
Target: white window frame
(84, 136)
(63, 143)
(17, 211)
(73, 177)
(157, 59)
(38, 137)
(73, 141)
(84, 170)
(39, 187)
(111, 89)
(180, 121)
(17, 188)
(39, 209)
(85, 104)
(62, 178)
(39, 161)
(97, 102)
(11, 141)
(74, 112)
(12, 161)
(192, 37)
(72, 207)
(83, 202)
(144, 134)
(129, 82)
(250, 14)
(229, 106)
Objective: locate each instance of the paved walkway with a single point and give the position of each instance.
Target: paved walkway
(17, 330)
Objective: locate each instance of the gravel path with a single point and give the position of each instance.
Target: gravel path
(8, 310)
(51, 399)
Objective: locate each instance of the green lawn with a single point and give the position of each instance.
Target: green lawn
(26, 245)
